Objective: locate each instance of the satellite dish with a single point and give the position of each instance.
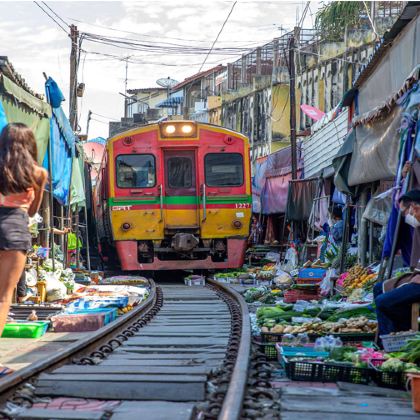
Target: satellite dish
(166, 82)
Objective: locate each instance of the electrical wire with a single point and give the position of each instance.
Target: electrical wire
(51, 17)
(58, 16)
(99, 121)
(217, 37)
(162, 36)
(137, 60)
(104, 116)
(162, 48)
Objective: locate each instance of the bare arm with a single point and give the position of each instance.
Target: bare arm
(41, 176)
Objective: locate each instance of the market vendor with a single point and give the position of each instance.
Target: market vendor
(337, 228)
(394, 297)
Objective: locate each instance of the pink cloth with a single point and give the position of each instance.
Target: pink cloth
(20, 200)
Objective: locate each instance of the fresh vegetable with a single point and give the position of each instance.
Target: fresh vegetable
(353, 313)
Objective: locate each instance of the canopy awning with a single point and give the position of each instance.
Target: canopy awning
(171, 102)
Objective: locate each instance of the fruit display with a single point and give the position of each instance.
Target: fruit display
(357, 278)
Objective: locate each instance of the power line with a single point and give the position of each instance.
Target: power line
(161, 36)
(162, 48)
(137, 60)
(217, 37)
(59, 17)
(51, 17)
(104, 116)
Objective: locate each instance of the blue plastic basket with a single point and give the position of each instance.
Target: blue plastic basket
(110, 313)
(309, 352)
(83, 304)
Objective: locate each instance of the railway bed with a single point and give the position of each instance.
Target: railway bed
(183, 354)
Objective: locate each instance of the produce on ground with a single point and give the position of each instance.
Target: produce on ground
(354, 325)
(259, 294)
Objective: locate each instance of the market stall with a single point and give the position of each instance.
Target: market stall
(315, 326)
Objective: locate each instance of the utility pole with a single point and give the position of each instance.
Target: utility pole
(125, 88)
(88, 123)
(74, 62)
(292, 73)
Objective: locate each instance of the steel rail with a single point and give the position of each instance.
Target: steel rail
(85, 345)
(232, 404)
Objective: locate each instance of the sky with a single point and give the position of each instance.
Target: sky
(34, 43)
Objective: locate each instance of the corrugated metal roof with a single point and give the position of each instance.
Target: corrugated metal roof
(145, 90)
(320, 149)
(198, 76)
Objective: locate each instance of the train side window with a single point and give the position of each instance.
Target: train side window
(224, 169)
(136, 171)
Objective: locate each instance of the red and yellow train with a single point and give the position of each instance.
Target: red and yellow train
(174, 195)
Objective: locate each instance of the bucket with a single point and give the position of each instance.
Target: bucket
(414, 378)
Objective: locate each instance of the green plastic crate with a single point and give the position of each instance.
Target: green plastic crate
(33, 329)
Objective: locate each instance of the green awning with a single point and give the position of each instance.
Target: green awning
(24, 97)
(20, 106)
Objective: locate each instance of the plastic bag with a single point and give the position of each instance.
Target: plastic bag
(272, 256)
(31, 277)
(325, 286)
(56, 290)
(290, 260)
(282, 278)
(379, 208)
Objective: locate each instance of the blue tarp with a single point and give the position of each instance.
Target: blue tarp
(99, 140)
(62, 145)
(3, 119)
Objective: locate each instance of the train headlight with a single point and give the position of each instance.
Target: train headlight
(178, 130)
(170, 129)
(187, 128)
(237, 224)
(126, 226)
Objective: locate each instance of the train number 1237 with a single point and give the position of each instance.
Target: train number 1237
(242, 205)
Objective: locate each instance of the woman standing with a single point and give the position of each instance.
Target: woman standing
(22, 183)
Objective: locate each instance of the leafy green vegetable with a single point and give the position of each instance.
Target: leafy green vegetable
(352, 313)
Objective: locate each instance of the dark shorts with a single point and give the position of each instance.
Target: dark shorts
(14, 231)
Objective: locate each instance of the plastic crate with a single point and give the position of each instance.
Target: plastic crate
(109, 313)
(299, 351)
(337, 372)
(111, 302)
(312, 273)
(312, 281)
(393, 342)
(316, 371)
(292, 296)
(33, 329)
(394, 380)
(199, 281)
(248, 282)
(302, 370)
(269, 349)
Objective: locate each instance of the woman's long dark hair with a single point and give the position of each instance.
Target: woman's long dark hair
(18, 154)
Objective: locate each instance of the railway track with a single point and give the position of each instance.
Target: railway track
(182, 354)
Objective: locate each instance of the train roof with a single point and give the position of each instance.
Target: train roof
(153, 126)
